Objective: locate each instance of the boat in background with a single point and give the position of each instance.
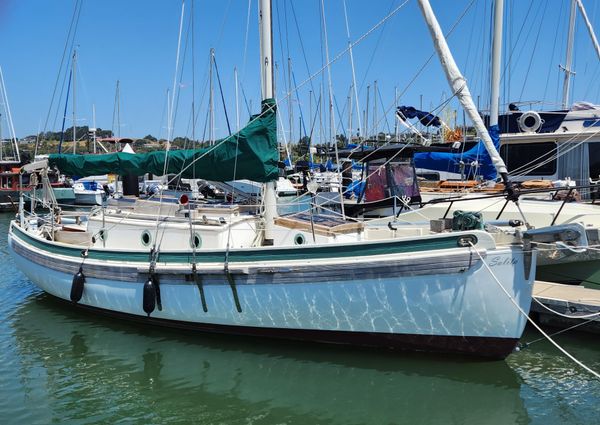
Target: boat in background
(88, 192)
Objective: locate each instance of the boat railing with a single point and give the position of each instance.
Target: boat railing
(568, 197)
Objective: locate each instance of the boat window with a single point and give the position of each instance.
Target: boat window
(594, 160)
(195, 241)
(403, 180)
(299, 239)
(429, 176)
(377, 187)
(522, 158)
(146, 238)
(102, 234)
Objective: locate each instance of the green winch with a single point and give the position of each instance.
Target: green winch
(467, 220)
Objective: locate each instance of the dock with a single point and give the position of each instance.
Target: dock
(570, 300)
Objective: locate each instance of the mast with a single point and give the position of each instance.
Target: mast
(375, 109)
(332, 137)
(567, 68)
(237, 100)
(266, 68)
(459, 86)
(15, 156)
(211, 99)
(349, 100)
(290, 104)
(194, 81)
(496, 59)
(74, 91)
(395, 106)
(353, 70)
(119, 111)
(94, 123)
(116, 126)
(367, 115)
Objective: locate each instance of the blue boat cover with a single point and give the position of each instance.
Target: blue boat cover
(445, 161)
(426, 118)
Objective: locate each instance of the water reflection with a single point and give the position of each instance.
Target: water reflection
(92, 369)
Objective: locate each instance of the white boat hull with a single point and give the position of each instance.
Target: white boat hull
(88, 198)
(437, 301)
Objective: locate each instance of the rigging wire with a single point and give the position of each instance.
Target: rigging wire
(537, 38)
(67, 48)
(374, 51)
(353, 69)
(182, 68)
(246, 39)
(387, 123)
(222, 96)
(468, 59)
(554, 50)
(170, 133)
(422, 68)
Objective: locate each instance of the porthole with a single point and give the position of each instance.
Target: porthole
(146, 238)
(299, 239)
(102, 234)
(196, 241)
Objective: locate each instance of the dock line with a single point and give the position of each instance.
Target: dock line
(535, 325)
(585, 316)
(527, 344)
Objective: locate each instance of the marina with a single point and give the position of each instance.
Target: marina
(287, 260)
(62, 364)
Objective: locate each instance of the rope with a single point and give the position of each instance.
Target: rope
(535, 325)
(570, 328)
(586, 316)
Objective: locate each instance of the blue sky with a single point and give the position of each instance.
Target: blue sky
(135, 42)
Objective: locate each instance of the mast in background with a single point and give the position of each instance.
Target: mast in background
(567, 68)
(74, 104)
(496, 59)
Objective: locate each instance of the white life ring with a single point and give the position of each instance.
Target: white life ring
(530, 122)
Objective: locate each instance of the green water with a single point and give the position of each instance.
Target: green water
(58, 365)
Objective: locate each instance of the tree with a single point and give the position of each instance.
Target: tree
(341, 140)
(304, 145)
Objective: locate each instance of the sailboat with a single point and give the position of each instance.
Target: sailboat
(12, 181)
(457, 292)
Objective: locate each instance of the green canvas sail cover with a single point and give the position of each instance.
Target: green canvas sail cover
(255, 147)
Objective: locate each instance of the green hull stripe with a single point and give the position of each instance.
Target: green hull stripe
(254, 254)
